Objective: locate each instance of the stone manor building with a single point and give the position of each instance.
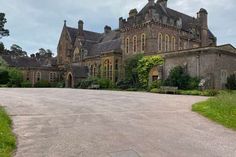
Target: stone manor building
(156, 29)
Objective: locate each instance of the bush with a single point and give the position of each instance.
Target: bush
(26, 84)
(103, 83)
(123, 84)
(178, 77)
(60, 84)
(155, 84)
(42, 84)
(155, 90)
(210, 92)
(15, 77)
(4, 76)
(231, 82)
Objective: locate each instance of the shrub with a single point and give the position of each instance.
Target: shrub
(26, 84)
(103, 83)
(231, 82)
(155, 84)
(4, 76)
(42, 84)
(155, 90)
(15, 77)
(60, 84)
(178, 77)
(131, 72)
(210, 92)
(123, 84)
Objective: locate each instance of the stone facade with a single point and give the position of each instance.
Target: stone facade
(154, 30)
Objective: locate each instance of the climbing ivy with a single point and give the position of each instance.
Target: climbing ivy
(145, 64)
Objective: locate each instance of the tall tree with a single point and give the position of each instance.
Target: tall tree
(2, 47)
(17, 50)
(3, 21)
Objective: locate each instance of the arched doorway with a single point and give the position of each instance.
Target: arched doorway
(70, 83)
(154, 74)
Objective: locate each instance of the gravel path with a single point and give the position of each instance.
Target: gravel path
(85, 123)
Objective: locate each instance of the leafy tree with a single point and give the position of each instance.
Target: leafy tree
(4, 76)
(3, 21)
(15, 77)
(2, 47)
(131, 72)
(17, 50)
(44, 53)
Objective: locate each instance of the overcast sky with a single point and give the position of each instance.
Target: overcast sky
(35, 24)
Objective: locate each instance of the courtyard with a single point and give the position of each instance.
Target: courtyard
(87, 123)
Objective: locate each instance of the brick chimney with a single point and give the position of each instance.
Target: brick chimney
(80, 27)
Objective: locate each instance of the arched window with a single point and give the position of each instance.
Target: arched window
(160, 42)
(135, 44)
(127, 45)
(91, 70)
(143, 42)
(106, 66)
(27, 75)
(173, 43)
(95, 70)
(38, 76)
(116, 64)
(167, 41)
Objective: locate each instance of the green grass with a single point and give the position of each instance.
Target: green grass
(221, 109)
(7, 138)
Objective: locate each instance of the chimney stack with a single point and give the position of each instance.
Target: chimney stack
(163, 3)
(151, 2)
(202, 16)
(81, 26)
(107, 29)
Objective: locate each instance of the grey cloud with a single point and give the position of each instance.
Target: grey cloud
(35, 24)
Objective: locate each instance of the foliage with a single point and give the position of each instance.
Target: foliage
(189, 92)
(178, 77)
(123, 84)
(17, 51)
(221, 109)
(15, 77)
(131, 72)
(2, 47)
(3, 21)
(42, 84)
(145, 64)
(103, 83)
(59, 85)
(7, 138)
(155, 84)
(43, 53)
(26, 84)
(231, 82)
(4, 75)
(2, 62)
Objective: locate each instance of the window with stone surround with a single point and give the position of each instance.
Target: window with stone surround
(135, 44)
(38, 76)
(127, 45)
(173, 43)
(160, 38)
(143, 42)
(167, 41)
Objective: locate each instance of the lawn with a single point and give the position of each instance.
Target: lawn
(7, 138)
(221, 109)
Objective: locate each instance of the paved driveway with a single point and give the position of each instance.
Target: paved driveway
(84, 123)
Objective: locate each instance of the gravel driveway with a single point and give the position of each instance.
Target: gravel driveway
(84, 123)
